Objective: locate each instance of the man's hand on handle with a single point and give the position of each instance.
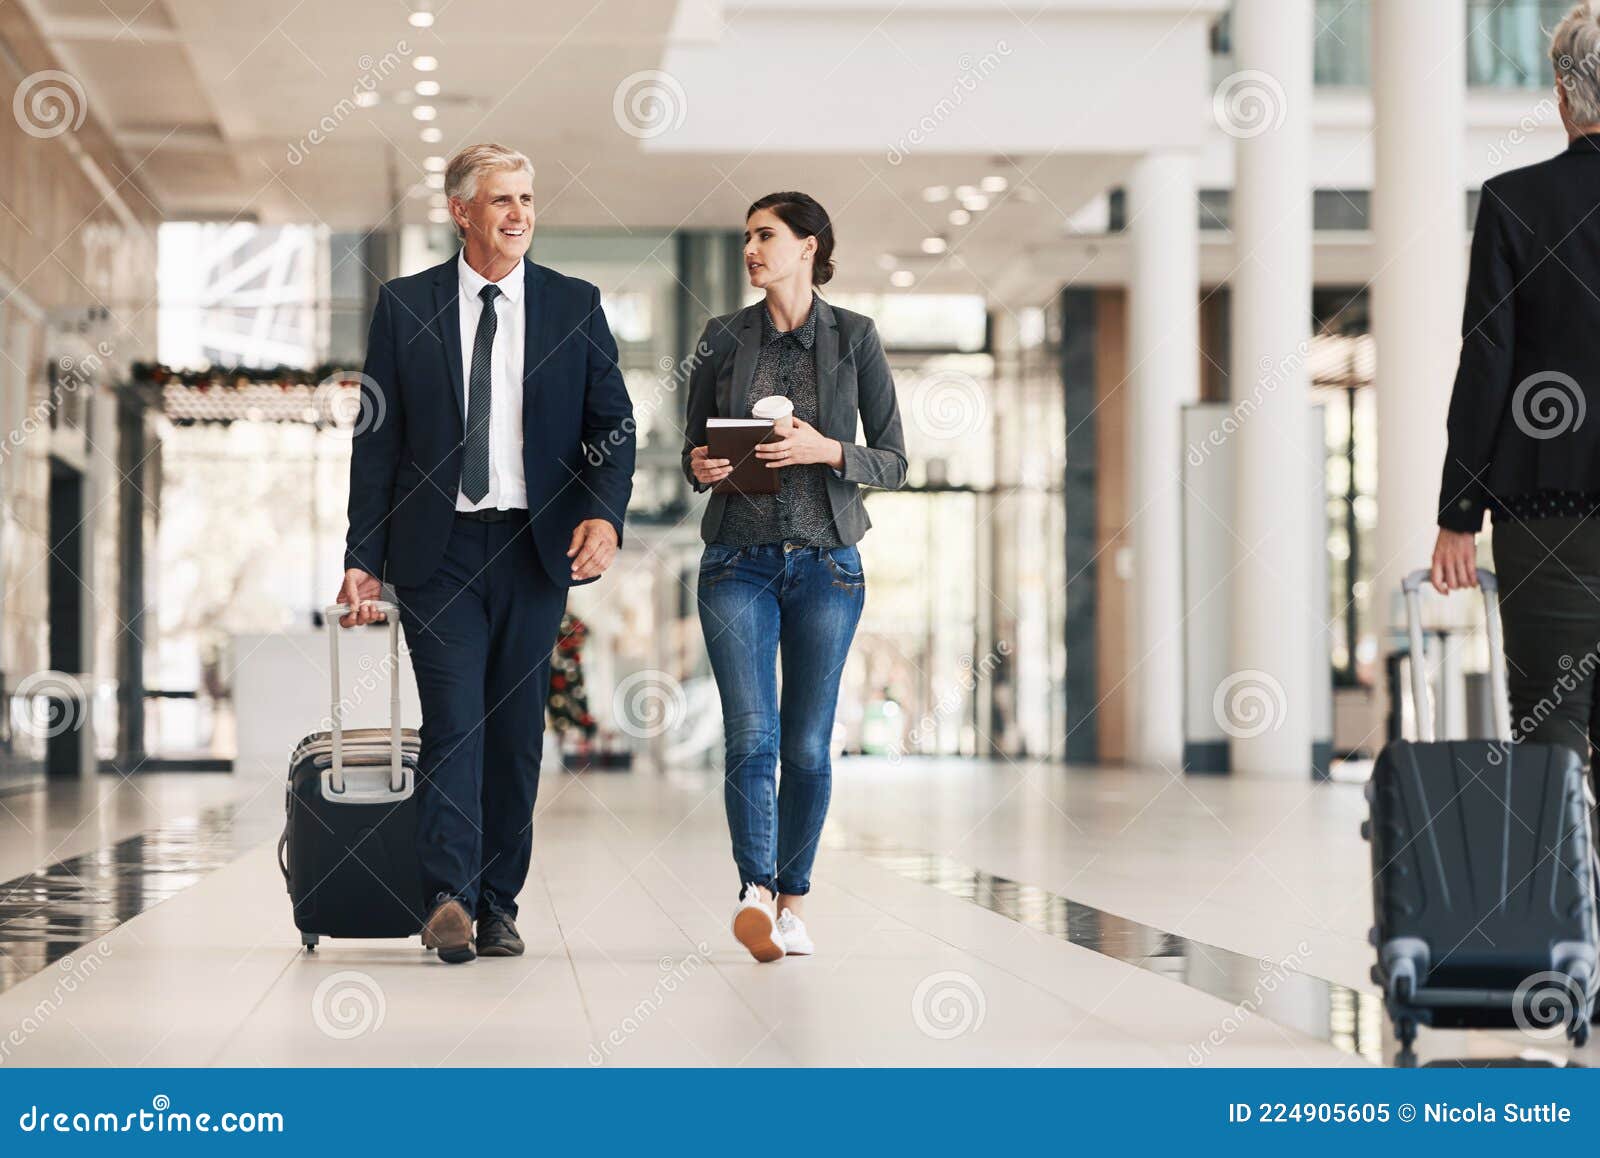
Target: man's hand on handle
(1455, 561)
(358, 593)
(594, 545)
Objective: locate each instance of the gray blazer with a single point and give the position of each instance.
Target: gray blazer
(852, 378)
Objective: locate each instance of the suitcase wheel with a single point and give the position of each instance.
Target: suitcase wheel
(309, 940)
(1405, 1029)
(1579, 1031)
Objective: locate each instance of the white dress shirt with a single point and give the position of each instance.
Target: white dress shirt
(508, 486)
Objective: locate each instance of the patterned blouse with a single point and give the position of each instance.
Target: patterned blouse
(799, 512)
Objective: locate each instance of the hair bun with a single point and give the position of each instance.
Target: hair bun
(822, 271)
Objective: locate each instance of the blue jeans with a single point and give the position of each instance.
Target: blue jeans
(757, 603)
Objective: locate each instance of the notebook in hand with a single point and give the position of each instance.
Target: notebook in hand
(735, 440)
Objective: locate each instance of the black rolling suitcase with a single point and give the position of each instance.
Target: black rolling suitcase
(348, 851)
(1482, 869)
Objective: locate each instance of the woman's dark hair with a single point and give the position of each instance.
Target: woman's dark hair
(805, 218)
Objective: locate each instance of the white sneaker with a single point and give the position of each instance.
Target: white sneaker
(756, 929)
(796, 941)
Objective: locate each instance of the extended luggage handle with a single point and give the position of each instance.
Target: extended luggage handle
(331, 614)
(1411, 588)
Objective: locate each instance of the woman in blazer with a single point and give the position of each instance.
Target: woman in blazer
(781, 579)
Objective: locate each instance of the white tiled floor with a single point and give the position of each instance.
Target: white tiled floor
(629, 961)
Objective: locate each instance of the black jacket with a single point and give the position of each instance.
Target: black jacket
(405, 463)
(1525, 411)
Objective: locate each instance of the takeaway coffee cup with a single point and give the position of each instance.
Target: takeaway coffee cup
(778, 410)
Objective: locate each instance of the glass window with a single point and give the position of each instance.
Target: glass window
(242, 295)
(924, 321)
(1507, 42)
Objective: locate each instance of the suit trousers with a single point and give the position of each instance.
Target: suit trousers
(1549, 574)
(480, 631)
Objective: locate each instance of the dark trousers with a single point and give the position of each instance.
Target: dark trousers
(1549, 573)
(480, 632)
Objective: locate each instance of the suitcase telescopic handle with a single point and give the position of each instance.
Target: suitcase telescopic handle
(1411, 588)
(331, 616)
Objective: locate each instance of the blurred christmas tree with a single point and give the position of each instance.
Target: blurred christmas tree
(568, 702)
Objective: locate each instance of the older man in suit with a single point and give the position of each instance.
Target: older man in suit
(492, 467)
(1524, 431)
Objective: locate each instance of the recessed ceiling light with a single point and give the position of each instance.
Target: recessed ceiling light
(434, 180)
(427, 88)
(936, 193)
(902, 278)
(366, 99)
(959, 217)
(439, 216)
(433, 164)
(977, 202)
(421, 19)
(424, 112)
(994, 184)
(425, 64)
(432, 135)
(965, 191)
(934, 245)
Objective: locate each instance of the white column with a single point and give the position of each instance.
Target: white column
(1164, 372)
(1267, 701)
(1419, 222)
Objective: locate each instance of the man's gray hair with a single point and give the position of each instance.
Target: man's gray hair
(462, 173)
(1575, 53)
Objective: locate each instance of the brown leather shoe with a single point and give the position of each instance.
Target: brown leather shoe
(449, 930)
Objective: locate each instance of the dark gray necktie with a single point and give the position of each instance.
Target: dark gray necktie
(475, 467)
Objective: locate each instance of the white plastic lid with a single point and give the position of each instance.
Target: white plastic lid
(774, 406)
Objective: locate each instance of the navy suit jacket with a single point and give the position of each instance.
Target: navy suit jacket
(405, 463)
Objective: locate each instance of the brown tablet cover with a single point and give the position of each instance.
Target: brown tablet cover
(735, 439)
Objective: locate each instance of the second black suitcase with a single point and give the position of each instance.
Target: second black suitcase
(1482, 869)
